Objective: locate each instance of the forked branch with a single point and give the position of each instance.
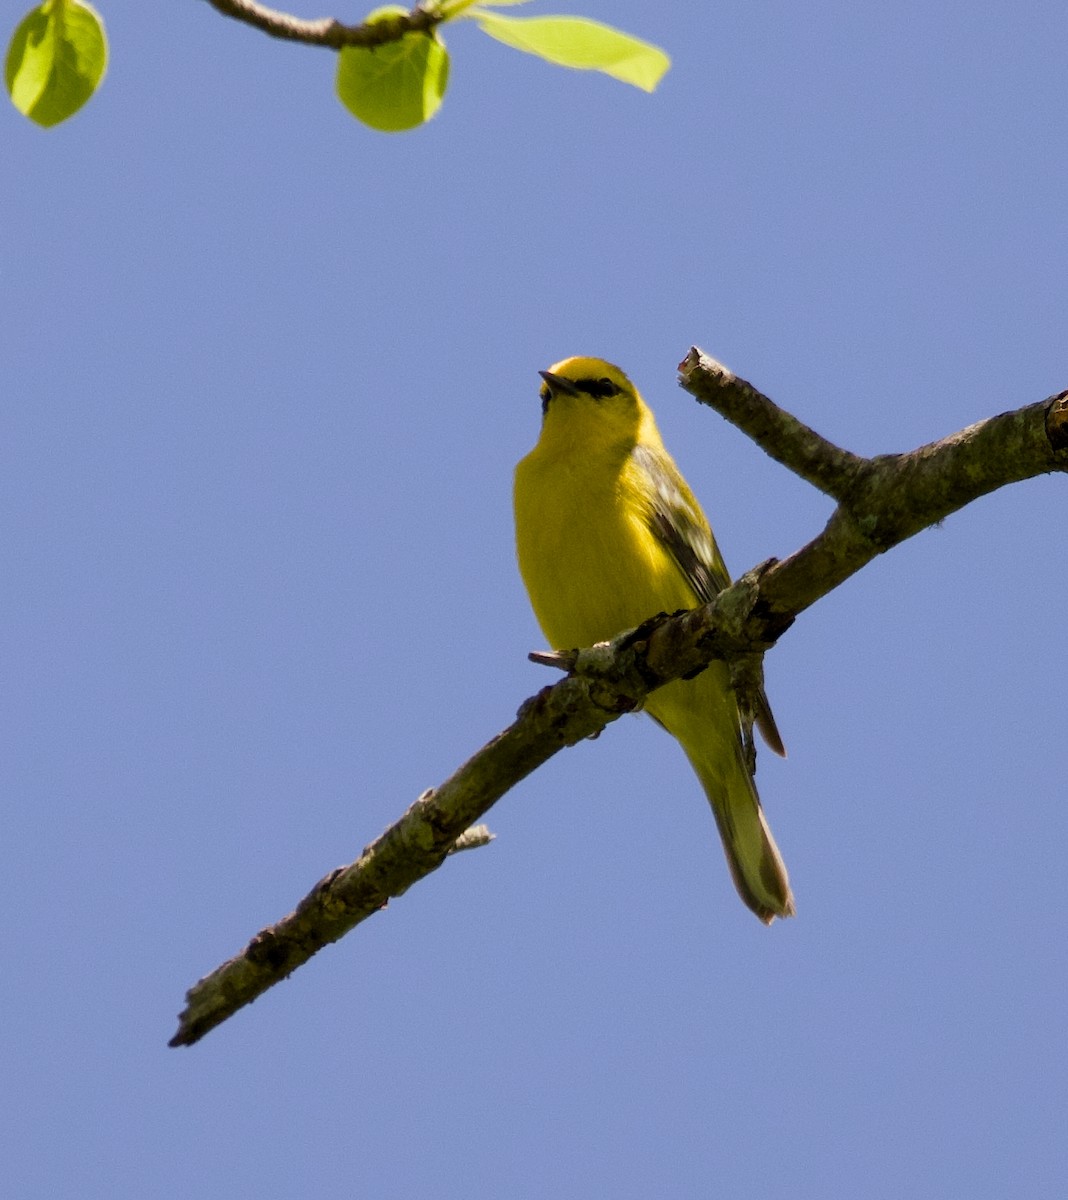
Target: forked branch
(881, 502)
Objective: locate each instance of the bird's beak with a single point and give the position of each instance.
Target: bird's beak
(557, 383)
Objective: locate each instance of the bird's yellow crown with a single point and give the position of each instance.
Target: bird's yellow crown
(589, 401)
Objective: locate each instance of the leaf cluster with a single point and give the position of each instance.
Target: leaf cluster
(392, 70)
(402, 84)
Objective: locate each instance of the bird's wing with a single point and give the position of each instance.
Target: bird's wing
(676, 519)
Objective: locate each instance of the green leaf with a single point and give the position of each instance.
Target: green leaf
(450, 9)
(580, 43)
(396, 86)
(56, 60)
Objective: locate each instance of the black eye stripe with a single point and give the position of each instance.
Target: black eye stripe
(597, 387)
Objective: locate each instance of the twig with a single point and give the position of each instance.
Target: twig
(472, 839)
(562, 660)
(326, 31)
(789, 441)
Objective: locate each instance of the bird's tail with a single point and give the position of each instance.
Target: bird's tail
(705, 722)
(757, 868)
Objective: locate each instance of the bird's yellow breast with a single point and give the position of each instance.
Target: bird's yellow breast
(587, 554)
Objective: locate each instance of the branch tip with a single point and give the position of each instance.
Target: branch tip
(562, 660)
(1057, 422)
(471, 839)
(780, 435)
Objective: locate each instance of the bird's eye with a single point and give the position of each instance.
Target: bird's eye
(598, 388)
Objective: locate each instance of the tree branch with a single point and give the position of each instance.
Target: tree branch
(327, 31)
(882, 501)
(578, 706)
(784, 437)
(886, 499)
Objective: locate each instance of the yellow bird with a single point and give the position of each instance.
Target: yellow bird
(608, 534)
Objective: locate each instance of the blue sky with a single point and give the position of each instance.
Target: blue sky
(266, 374)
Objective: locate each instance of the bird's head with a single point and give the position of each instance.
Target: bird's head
(584, 379)
(589, 401)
